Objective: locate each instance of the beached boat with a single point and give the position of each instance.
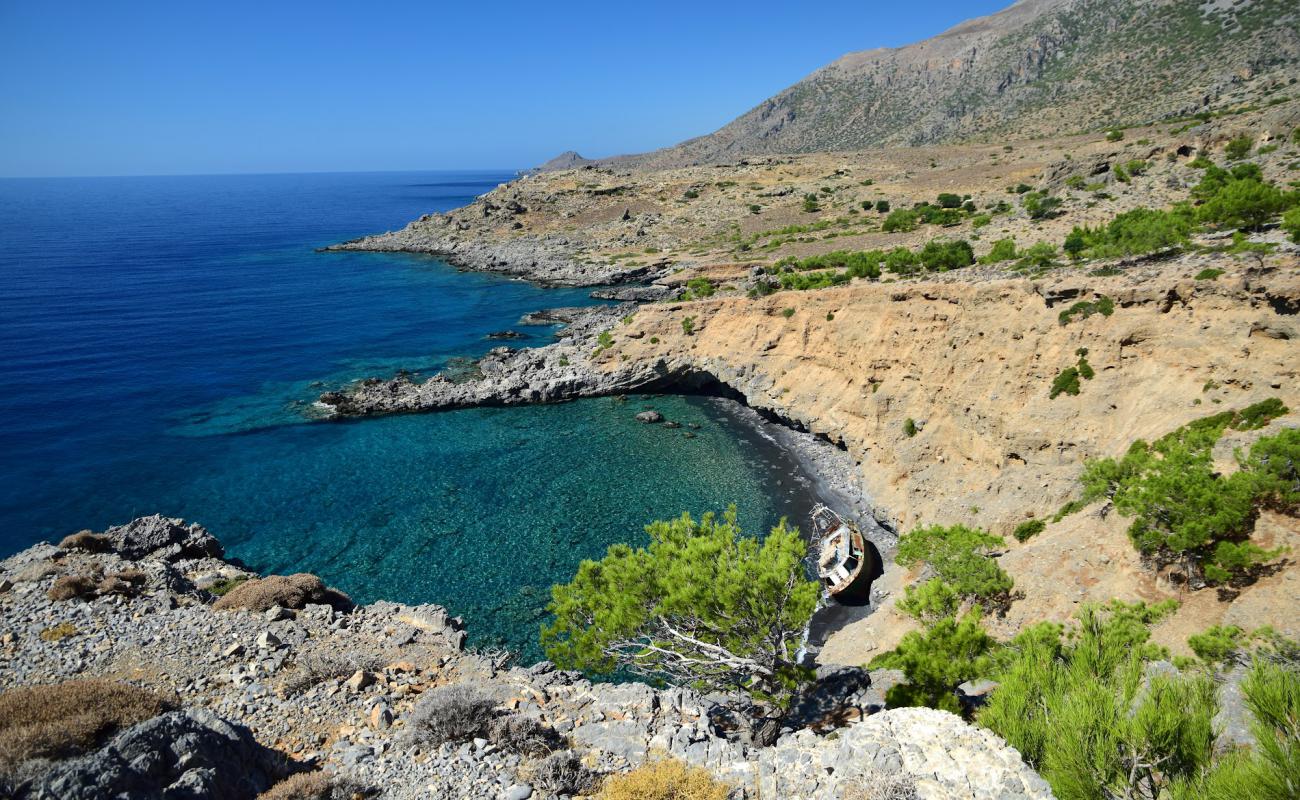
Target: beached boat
(845, 563)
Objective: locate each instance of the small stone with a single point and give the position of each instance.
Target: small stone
(276, 613)
(650, 417)
(520, 791)
(267, 640)
(232, 651)
(381, 718)
(359, 680)
(5, 585)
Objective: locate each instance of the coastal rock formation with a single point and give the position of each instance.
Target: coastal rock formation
(266, 693)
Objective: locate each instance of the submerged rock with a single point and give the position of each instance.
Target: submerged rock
(650, 417)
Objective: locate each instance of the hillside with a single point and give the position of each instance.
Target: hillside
(1039, 67)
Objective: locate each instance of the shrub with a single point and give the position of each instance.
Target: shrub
(880, 785)
(286, 591)
(564, 773)
(1291, 224)
(1238, 148)
(604, 341)
(980, 220)
(72, 586)
(1208, 274)
(944, 256)
(1136, 167)
(1086, 308)
(318, 666)
(1066, 382)
(1028, 529)
(1040, 206)
(68, 718)
(1135, 232)
(453, 713)
(524, 735)
(697, 288)
(59, 632)
(1243, 203)
(1003, 250)
(1038, 257)
(1200, 162)
(900, 221)
(935, 661)
(1114, 135)
(949, 200)
(223, 586)
(959, 557)
(688, 325)
(87, 542)
(668, 779)
(901, 261)
(1090, 717)
(1183, 510)
(882, 206)
(909, 427)
(690, 592)
(787, 312)
(315, 786)
(1274, 465)
(691, 194)
(810, 204)
(755, 208)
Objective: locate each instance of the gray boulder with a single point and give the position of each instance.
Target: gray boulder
(649, 417)
(163, 537)
(184, 754)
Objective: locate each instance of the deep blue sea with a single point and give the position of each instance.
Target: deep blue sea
(160, 339)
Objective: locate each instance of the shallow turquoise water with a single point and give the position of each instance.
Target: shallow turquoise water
(163, 336)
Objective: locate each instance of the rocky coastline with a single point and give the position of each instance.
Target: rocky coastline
(278, 676)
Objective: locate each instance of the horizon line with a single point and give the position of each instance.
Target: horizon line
(514, 170)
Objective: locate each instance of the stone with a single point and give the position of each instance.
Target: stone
(359, 680)
(381, 717)
(277, 613)
(189, 753)
(162, 537)
(5, 585)
(649, 417)
(520, 791)
(267, 641)
(233, 650)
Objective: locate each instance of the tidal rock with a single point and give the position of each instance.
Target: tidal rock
(649, 417)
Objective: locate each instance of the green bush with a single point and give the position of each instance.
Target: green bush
(1086, 308)
(936, 661)
(909, 427)
(1039, 256)
(901, 261)
(1028, 529)
(882, 206)
(688, 326)
(960, 558)
(810, 204)
(1291, 224)
(980, 220)
(944, 256)
(697, 288)
(1067, 382)
(1135, 232)
(787, 312)
(1114, 135)
(1184, 511)
(1136, 167)
(1040, 206)
(1089, 716)
(1208, 274)
(1243, 203)
(1238, 148)
(949, 200)
(681, 609)
(1003, 250)
(690, 194)
(1200, 162)
(900, 221)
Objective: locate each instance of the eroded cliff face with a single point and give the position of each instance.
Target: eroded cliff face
(972, 363)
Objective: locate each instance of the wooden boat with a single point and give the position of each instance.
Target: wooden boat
(844, 562)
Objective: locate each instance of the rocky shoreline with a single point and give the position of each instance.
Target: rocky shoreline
(280, 675)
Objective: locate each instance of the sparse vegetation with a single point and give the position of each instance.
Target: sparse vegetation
(668, 779)
(286, 591)
(1208, 274)
(1028, 529)
(1086, 308)
(453, 713)
(1238, 148)
(688, 327)
(909, 427)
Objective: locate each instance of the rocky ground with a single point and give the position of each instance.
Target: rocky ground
(317, 684)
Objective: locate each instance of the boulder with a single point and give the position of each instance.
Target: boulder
(163, 538)
(189, 753)
(649, 417)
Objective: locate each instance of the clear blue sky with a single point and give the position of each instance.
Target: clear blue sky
(177, 87)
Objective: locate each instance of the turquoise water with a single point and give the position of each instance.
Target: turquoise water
(163, 337)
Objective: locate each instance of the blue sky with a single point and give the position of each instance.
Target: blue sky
(178, 87)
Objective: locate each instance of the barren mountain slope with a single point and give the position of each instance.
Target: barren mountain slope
(1038, 67)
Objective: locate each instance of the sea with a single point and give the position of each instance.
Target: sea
(162, 340)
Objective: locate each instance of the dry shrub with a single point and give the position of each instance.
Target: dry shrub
(73, 586)
(319, 666)
(286, 591)
(87, 542)
(563, 773)
(37, 572)
(455, 713)
(524, 735)
(669, 779)
(69, 718)
(59, 632)
(883, 786)
(314, 786)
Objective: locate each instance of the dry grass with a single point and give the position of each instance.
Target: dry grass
(87, 542)
(314, 786)
(319, 666)
(883, 786)
(56, 633)
(453, 713)
(69, 718)
(669, 779)
(286, 591)
(69, 587)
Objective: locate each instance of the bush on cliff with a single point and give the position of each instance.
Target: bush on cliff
(1184, 511)
(453, 713)
(682, 609)
(668, 779)
(286, 591)
(960, 558)
(935, 661)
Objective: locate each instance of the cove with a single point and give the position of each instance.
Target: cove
(163, 337)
